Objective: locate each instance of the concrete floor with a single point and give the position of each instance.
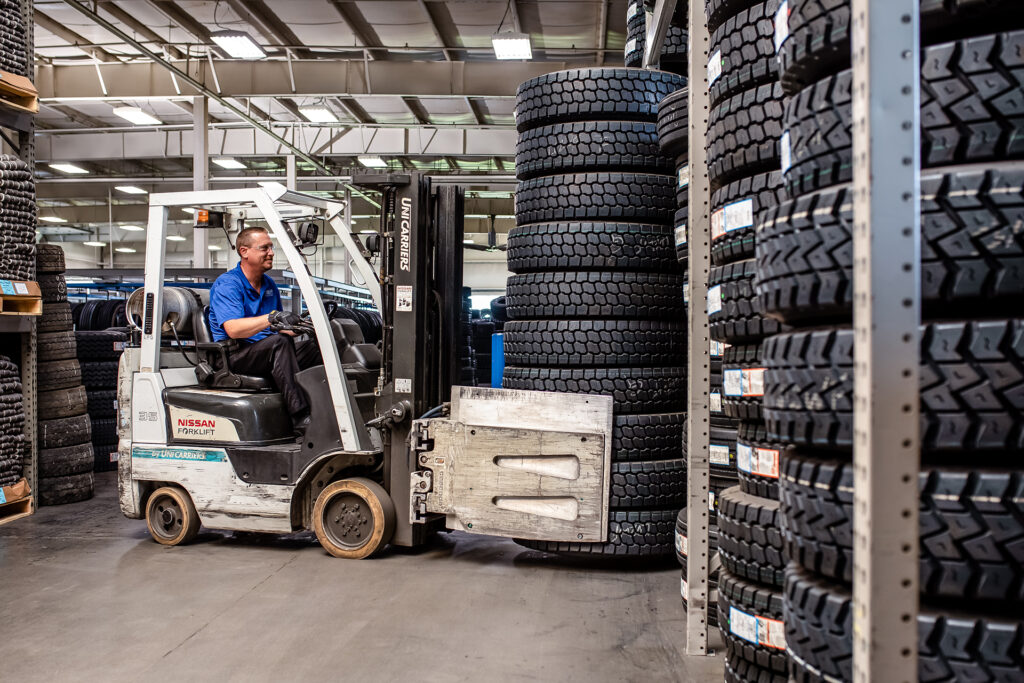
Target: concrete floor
(85, 595)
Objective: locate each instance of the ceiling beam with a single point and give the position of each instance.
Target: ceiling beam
(253, 110)
(354, 109)
(77, 116)
(140, 29)
(185, 22)
(262, 18)
(478, 113)
(360, 28)
(73, 38)
(602, 32)
(415, 107)
(289, 106)
(435, 27)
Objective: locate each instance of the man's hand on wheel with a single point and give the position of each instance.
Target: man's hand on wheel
(285, 321)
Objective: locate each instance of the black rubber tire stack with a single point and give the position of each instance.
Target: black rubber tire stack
(13, 55)
(13, 445)
(481, 335)
(62, 428)
(673, 50)
(467, 354)
(595, 304)
(17, 219)
(99, 352)
(744, 126)
(972, 357)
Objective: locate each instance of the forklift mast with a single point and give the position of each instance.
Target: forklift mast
(421, 307)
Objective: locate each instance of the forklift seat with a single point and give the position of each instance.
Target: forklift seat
(215, 372)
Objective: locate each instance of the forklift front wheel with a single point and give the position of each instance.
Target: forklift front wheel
(171, 517)
(354, 518)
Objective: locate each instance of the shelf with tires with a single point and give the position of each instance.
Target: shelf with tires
(972, 340)
(595, 304)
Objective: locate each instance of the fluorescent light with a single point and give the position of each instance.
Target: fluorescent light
(511, 46)
(230, 164)
(238, 44)
(137, 116)
(318, 114)
(372, 162)
(189, 211)
(175, 238)
(95, 244)
(124, 250)
(467, 241)
(52, 219)
(213, 247)
(131, 189)
(476, 215)
(133, 228)
(69, 168)
(367, 232)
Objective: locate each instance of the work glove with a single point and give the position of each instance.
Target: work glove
(285, 320)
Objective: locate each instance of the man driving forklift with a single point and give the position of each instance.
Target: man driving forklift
(245, 305)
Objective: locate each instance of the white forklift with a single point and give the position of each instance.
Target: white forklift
(394, 451)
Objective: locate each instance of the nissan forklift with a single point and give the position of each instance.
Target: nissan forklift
(394, 451)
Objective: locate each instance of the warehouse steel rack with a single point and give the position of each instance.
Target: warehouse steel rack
(18, 333)
(886, 170)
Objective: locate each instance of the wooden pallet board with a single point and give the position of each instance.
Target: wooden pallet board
(20, 298)
(15, 502)
(18, 93)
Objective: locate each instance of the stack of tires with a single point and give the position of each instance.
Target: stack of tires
(481, 335)
(17, 219)
(99, 314)
(98, 353)
(596, 302)
(744, 127)
(674, 48)
(63, 429)
(13, 52)
(467, 354)
(13, 445)
(972, 355)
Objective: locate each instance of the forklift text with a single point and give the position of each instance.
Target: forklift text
(405, 242)
(192, 427)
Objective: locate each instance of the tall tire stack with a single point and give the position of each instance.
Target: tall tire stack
(972, 356)
(17, 217)
(13, 445)
(13, 55)
(673, 54)
(744, 127)
(63, 430)
(481, 334)
(595, 305)
(467, 354)
(98, 354)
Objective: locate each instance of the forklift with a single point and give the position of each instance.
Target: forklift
(394, 451)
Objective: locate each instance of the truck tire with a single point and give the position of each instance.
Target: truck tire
(105, 457)
(651, 484)
(586, 147)
(674, 124)
(591, 246)
(600, 94)
(758, 461)
(64, 431)
(647, 437)
(49, 259)
(100, 344)
(578, 343)
(750, 541)
(971, 523)
(599, 294)
(971, 248)
(744, 46)
(630, 533)
(741, 603)
(972, 374)
(633, 197)
(737, 318)
(735, 209)
(743, 134)
(99, 374)
(62, 402)
(55, 345)
(62, 490)
(59, 374)
(56, 317)
(53, 287)
(634, 390)
(102, 403)
(61, 462)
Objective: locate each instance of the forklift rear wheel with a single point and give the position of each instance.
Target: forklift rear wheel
(171, 517)
(354, 518)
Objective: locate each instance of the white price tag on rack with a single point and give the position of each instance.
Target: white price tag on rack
(767, 462)
(683, 177)
(739, 215)
(785, 152)
(732, 382)
(718, 454)
(714, 299)
(681, 234)
(781, 24)
(714, 67)
(715, 402)
(632, 10)
(630, 45)
(744, 456)
(683, 589)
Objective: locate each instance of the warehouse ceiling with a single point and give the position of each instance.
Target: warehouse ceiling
(415, 83)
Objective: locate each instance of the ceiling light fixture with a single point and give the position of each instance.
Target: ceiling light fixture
(511, 46)
(213, 247)
(52, 219)
(133, 228)
(175, 238)
(230, 164)
(318, 114)
(467, 241)
(94, 244)
(69, 168)
(130, 189)
(137, 116)
(372, 162)
(367, 232)
(124, 250)
(238, 44)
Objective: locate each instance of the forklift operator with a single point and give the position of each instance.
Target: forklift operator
(245, 305)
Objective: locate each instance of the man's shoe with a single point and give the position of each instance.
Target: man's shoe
(302, 425)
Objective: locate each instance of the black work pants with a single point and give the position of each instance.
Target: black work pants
(280, 357)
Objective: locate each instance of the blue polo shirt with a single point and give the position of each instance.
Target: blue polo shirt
(233, 297)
